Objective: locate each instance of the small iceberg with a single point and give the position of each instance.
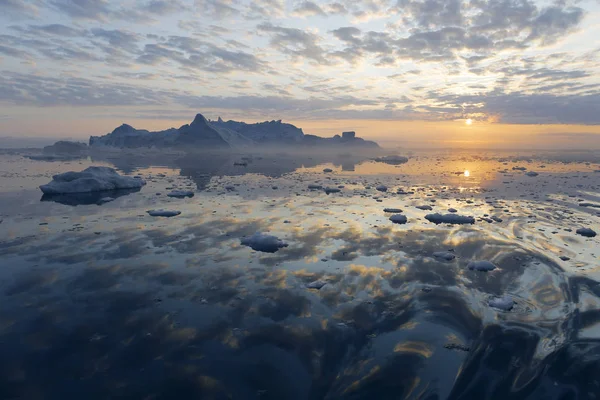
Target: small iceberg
(316, 285)
(482, 265)
(327, 170)
(315, 187)
(444, 255)
(381, 188)
(330, 190)
(449, 219)
(392, 210)
(92, 179)
(424, 208)
(504, 303)
(531, 173)
(392, 160)
(180, 194)
(587, 232)
(399, 219)
(263, 242)
(163, 213)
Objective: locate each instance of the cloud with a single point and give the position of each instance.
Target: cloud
(192, 53)
(217, 8)
(295, 42)
(308, 9)
(19, 8)
(165, 7)
(118, 38)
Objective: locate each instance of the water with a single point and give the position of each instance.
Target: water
(104, 301)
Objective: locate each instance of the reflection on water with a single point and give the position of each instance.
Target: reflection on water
(107, 302)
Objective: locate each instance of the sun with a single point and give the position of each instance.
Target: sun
(469, 121)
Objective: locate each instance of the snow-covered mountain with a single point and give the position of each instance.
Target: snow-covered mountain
(205, 134)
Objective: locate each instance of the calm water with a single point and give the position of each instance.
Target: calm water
(104, 301)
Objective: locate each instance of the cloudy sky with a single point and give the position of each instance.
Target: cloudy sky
(387, 68)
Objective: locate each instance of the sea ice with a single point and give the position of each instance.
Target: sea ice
(180, 194)
(482, 265)
(504, 303)
(329, 190)
(424, 208)
(392, 210)
(263, 242)
(449, 219)
(163, 213)
(587, 232)
(398, 219)
(92, 179)
(444, 255)
(316, 285)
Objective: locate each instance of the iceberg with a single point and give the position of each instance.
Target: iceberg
(92, 179)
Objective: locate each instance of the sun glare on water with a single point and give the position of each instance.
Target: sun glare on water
(467, 173)
(469, 121)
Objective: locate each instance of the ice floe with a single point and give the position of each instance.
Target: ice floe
(92, 179)
(444, 255)
(449, 219)
(482, 265)
(263, 242)
(398, 219)
(504, 303)
(180, 194)
(587, 232)
(163, 213)
(392, 210)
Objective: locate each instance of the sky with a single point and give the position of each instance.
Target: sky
(525, 72)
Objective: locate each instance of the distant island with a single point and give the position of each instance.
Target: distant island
(206, 134)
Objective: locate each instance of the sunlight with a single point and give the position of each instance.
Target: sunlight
(469, 121)
(467, 173)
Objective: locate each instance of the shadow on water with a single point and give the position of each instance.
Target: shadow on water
(78, 199)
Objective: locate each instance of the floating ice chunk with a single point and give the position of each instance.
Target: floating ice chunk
(452, 210)
(424, 208)
(399, 219)
(531, 173)
(449, 219)
(592, 205)
(587, 232)
(315, 187)
(392, 210)
(327, 170)
(316, 285)
(504, 303)
(444, 255)
(180, 194)
(381, 188)
(263, 242)
(92, 179)
(163, 213)
(482, 265)
(329, 190)
(519, 169)
(392, 160)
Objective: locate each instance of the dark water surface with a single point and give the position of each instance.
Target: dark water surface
(102, 301)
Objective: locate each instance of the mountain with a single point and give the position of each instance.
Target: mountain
(206, 134)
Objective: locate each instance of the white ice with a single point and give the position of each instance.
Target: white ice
(92, 179)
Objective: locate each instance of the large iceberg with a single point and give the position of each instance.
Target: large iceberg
(92, 179)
